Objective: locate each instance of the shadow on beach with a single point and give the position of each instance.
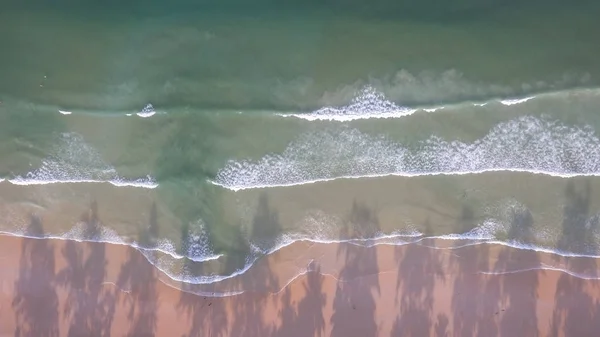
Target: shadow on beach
(35, 302)
(90, 305)
(484, 304)
(576, 312)
(492, 292)
(418, 272)
(358, 284)
(247, 316)
(138, 280)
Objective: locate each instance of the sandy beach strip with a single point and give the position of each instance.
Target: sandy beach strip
(65, 288)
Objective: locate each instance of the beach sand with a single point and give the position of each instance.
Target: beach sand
(67, 288)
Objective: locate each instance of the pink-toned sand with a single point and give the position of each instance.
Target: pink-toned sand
(65, 288)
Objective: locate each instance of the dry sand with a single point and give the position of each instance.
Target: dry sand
(60, 288)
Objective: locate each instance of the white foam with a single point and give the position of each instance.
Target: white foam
(512, 244)
(65, 112)
(147, 111)
(514, 101)
(369, 103)
(237, 188)
(150, 184)
(200, 253)
(526, 144)
(372, 104)
(421, 88)
(199, 247)
(166, 247)
(485, 231)
(74, 161)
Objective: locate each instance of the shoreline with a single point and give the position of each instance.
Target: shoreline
(86, 288)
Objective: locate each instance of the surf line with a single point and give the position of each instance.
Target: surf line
(240, 187)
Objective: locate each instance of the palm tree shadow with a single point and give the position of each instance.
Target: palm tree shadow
(89, 305)
(466, 318)
(441, 326)
(265, 230)
(199, 309)
(418, 272)
(576, 312)
(305, 319)
(246, 318)
(358, 280)
(519, 293)
(138, 276)
(36, 302)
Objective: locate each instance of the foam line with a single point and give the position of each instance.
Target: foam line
(119, 183)
(371, 104)
(402, 174)
(514, 101)
(147, 111)
(543, 267)
(117, 241)
(420, 240)
(74, 161)
(526, 144)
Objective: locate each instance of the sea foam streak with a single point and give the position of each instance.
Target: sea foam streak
(370, 103)
(515, 101)
(147, 111)
(526, 144)
(74, 161)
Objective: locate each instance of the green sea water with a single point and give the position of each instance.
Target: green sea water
(231, 123)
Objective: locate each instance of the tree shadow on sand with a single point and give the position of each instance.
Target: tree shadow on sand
(418, 272)
(505, 306)
(89, 304)
(137, 277)
(306, 317)
(248, 312)
(518, 293)
(246, 318)
(199, 309)
(358, 279)
(467, 308)
(36, 302)
(576, 312)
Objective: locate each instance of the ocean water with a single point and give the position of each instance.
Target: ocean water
(209, 134)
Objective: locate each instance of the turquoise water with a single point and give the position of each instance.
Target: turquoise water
(208, 136)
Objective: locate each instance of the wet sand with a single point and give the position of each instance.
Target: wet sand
(60, 288)
(434, 205)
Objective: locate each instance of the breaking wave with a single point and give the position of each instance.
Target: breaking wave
(526, 144)
(74, 161)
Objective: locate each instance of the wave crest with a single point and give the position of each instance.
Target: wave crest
(75, 161)
(527, 144)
